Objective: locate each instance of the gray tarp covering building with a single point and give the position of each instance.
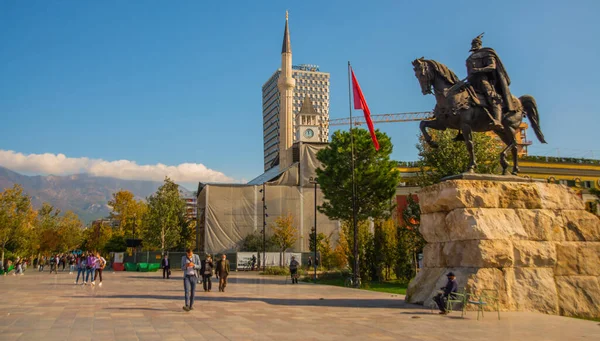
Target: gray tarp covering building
(229, 212)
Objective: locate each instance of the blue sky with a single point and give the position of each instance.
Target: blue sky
(180, 81)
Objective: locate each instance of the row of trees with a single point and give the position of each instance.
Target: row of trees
(160, 222)
(27, 232)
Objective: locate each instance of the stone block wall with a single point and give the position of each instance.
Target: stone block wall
(532, 241)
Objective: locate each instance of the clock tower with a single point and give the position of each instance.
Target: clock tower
(307, 123)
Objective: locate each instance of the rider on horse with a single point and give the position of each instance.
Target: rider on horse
(487, 75)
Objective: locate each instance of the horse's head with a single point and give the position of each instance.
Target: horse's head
(423, 74)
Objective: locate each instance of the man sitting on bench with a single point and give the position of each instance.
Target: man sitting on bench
(441, 298)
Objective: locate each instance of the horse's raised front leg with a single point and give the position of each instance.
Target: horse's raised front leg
(433, 124)
(468, 135)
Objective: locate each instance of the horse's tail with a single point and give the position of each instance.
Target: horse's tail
(531, 111)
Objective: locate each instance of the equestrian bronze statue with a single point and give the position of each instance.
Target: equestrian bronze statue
(480, 103)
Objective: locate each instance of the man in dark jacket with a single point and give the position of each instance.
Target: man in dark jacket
(166, 266)
(222, 272)
(206, 271)
(450, 288)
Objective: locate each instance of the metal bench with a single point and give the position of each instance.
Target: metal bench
(487, 297)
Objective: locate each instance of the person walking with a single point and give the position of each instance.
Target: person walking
(207, 271)
(71, 264)
(61, 261)
(18, 267)
(89, 268)
(222, 272)
(81, 264)
(54, 264)
(294, 270)
(166, 266)
(189, 264)
(99, 265)
(41, 263)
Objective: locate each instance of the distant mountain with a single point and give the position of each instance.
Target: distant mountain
(83, 194)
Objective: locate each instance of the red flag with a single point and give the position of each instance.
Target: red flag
(361, 103)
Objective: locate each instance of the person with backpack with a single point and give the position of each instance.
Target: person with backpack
(54, 264)
(98, 267)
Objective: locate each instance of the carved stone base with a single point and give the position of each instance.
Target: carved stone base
(532, 241)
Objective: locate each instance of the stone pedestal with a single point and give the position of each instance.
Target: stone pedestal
(532, 241)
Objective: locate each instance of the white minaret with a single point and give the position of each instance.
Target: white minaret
(286, 86)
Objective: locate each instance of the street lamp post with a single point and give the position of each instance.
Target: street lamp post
(314, 181)
(264, 207)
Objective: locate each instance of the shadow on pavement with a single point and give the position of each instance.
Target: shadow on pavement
(231, 279)
(336, 302)
(134, 308)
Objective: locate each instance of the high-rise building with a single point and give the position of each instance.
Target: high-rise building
(308, 81)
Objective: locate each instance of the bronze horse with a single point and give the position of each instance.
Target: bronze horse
(456, 109)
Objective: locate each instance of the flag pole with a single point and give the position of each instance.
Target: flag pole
(355, 275)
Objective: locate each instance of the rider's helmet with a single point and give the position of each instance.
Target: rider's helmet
(476, 43)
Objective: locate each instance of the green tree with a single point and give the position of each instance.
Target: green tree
(451, 157)
(69, 231)
(365, 244)
(253, 242)
(97, 236)
(116, 243)
(284, 234)
(187, 237)
(127, 210)
(311, 240)
(325, 249)
(376, 176)
(16, 216)
(163, 218)
(46, 224)
(384, 248)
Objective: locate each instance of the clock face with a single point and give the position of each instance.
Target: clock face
(308, 133)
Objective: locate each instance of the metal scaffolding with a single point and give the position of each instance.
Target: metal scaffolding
(384, 118)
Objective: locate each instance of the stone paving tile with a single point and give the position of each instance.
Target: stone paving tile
(142, 306)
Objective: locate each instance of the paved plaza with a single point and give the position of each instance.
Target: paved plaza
(143, 306)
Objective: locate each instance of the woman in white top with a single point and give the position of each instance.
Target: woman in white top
(99, 266)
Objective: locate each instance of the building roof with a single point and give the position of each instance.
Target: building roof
(287, 45)
(270, 175)
(307, 107)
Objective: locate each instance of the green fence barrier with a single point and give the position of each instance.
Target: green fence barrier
(130, 267)
(10, 268)
(153, 267)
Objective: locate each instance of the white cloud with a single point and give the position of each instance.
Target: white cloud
(59, 164)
